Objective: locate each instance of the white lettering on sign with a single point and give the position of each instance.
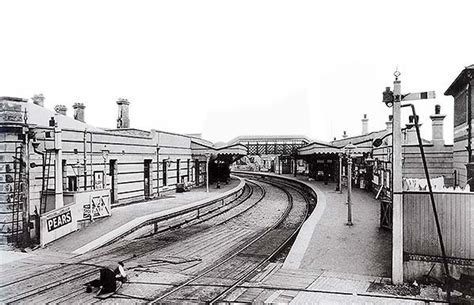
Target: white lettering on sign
(59, 221)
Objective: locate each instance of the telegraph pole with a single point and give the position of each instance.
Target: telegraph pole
(397, 215)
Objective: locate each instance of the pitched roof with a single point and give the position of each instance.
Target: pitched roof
(463, 78)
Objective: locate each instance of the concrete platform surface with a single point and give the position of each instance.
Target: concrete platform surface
(363, 248)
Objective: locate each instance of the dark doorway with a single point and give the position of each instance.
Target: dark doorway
(113, 181)
(147, 178)
(285, 166)
(165, 173)
(178, 178)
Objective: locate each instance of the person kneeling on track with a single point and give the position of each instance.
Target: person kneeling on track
(108, 278)
(120, 274)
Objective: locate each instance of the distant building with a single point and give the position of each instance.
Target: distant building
(461, 90)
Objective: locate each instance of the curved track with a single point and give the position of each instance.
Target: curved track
(221, 249)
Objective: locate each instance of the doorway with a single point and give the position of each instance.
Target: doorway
(147, 178)
(113, 182)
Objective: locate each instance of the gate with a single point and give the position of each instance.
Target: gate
(386, 214)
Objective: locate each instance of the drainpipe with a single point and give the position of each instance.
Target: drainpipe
(85, 158)
(92, 171)
(58, 171)
(470, 164)
(469, 123)
(157, 171)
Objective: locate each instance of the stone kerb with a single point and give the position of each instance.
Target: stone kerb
(151, 219)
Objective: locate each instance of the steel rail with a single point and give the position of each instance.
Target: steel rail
(266, 260)
(53, 284)
(82, 273)
(207, 271)
(247, 245)
(61, 265)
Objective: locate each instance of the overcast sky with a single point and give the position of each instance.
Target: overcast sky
(228, 68)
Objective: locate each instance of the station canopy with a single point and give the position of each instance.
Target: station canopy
(230, 153)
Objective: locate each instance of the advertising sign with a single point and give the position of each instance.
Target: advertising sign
(93, 204)
(57, 223)
(59, 220)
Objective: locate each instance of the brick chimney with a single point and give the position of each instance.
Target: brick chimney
(38, 99)
(123, 120)
(365, 125)
(61, 109)
(437, 125)
(410, 133)
(344, 135)
(79, 112)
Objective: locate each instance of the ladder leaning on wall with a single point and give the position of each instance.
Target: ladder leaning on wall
(17, 195)
(45, 181)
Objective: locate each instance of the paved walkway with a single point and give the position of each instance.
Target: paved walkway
(363, 248)
(123, 214)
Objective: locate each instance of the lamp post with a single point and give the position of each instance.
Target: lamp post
(348, 151)
(339, 185)
(208, 157)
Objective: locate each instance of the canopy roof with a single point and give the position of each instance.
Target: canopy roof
(203, 149)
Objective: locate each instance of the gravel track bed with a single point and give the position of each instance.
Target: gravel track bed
(150, 260)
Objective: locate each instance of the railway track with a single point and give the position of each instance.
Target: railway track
(204, 244)
(83, 268)
(215, 283)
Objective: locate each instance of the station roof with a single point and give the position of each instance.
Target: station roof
(318, 148)
(269, 138)
(463, 78)
(360, 140)
(233, 149)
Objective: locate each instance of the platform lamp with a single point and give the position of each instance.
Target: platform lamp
(348, 149)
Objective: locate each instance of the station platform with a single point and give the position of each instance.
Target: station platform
(331, 262)
(330, 256)
(122, 217)
(363, 248)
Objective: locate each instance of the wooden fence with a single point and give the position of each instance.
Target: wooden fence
(456, 216)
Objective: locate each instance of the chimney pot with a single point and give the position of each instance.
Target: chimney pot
(437, 126)
(345, 134)
(38, 99)
(79, 112)
(123, 120)
(365, 125)
(61, 109)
